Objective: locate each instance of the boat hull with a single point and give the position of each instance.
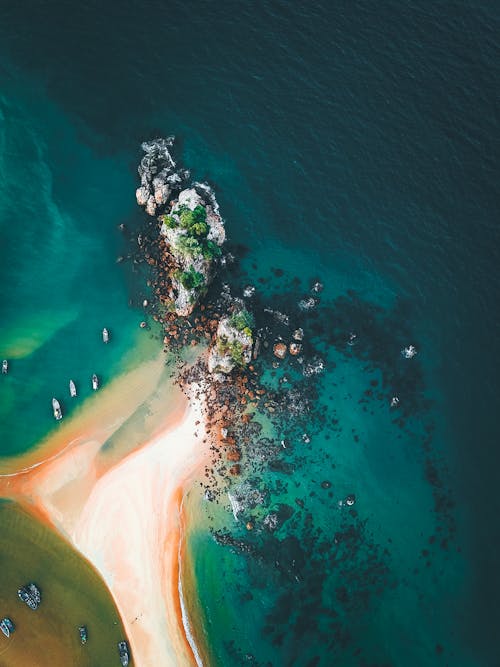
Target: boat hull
(56, 408)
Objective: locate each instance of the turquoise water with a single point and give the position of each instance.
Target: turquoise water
(348, 142)
(313, 586)
(60, 205)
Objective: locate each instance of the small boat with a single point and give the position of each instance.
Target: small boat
(83, 633)
(56, 407)
(95, 382)
(7, 626)
(30, 594)
(5, 366)
(72, 388)
(105, 335)
(123, 651)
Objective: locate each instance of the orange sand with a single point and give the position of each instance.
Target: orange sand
(120, 505)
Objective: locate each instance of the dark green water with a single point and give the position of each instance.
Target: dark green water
(351, 142)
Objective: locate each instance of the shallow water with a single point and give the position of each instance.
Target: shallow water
(350, 143)
(71, 596)
(61, 283)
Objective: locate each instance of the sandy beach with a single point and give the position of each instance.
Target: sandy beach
(129, 528)
(118, 500)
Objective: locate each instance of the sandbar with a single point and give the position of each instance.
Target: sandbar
(117, 498)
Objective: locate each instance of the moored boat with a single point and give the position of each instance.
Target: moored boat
(105, 335)
(56, 407)
(83, 633)
(123, 651)
(5, 366)
(72, 388)
(30, 594)
(7, 626)
(95, 382)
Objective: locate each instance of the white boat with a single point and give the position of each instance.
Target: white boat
(5, 366)
(7, 626)
(56, 407)
(82, 629)
(95, 382)
(72, 388)
(123, 651)
(30, 594)
(105, 335)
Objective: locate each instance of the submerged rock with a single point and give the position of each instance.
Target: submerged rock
(249, 291)
(274, 520)
(313, 367)
(317, 287)
(409, 352)
(283, 318)
(307, 304)
(280, 350)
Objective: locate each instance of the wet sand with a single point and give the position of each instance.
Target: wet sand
(118, 499)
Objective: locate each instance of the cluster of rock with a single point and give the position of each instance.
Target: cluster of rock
(190, 224)
(233, 344)
(197, 262)
(280, 348)
(160, 177)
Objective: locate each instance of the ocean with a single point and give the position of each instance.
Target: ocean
(351, 143)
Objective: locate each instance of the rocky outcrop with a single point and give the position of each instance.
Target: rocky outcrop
(233, 343)
(194, 232)
(190, 223)
(160, 177)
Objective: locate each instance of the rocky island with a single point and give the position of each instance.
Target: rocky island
(190, 224)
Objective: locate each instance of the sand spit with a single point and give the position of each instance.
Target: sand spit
(130, 529)
(98, 418)
(118, 500)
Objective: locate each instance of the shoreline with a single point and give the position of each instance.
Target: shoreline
(103, 497)
(99, 416)
(155, 478)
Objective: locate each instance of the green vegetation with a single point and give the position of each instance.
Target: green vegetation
(194, 243)
(190, 279)
(233, 348)
(210, 250)
(188, 246)
(194, 221)
(169, 221)
(243, 321)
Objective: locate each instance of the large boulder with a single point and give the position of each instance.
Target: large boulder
(142, 195)
(232, 347)
(159, 174)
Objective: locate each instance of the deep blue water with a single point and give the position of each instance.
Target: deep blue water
(357, 141)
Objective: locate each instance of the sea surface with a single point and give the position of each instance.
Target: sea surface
(355, 143)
